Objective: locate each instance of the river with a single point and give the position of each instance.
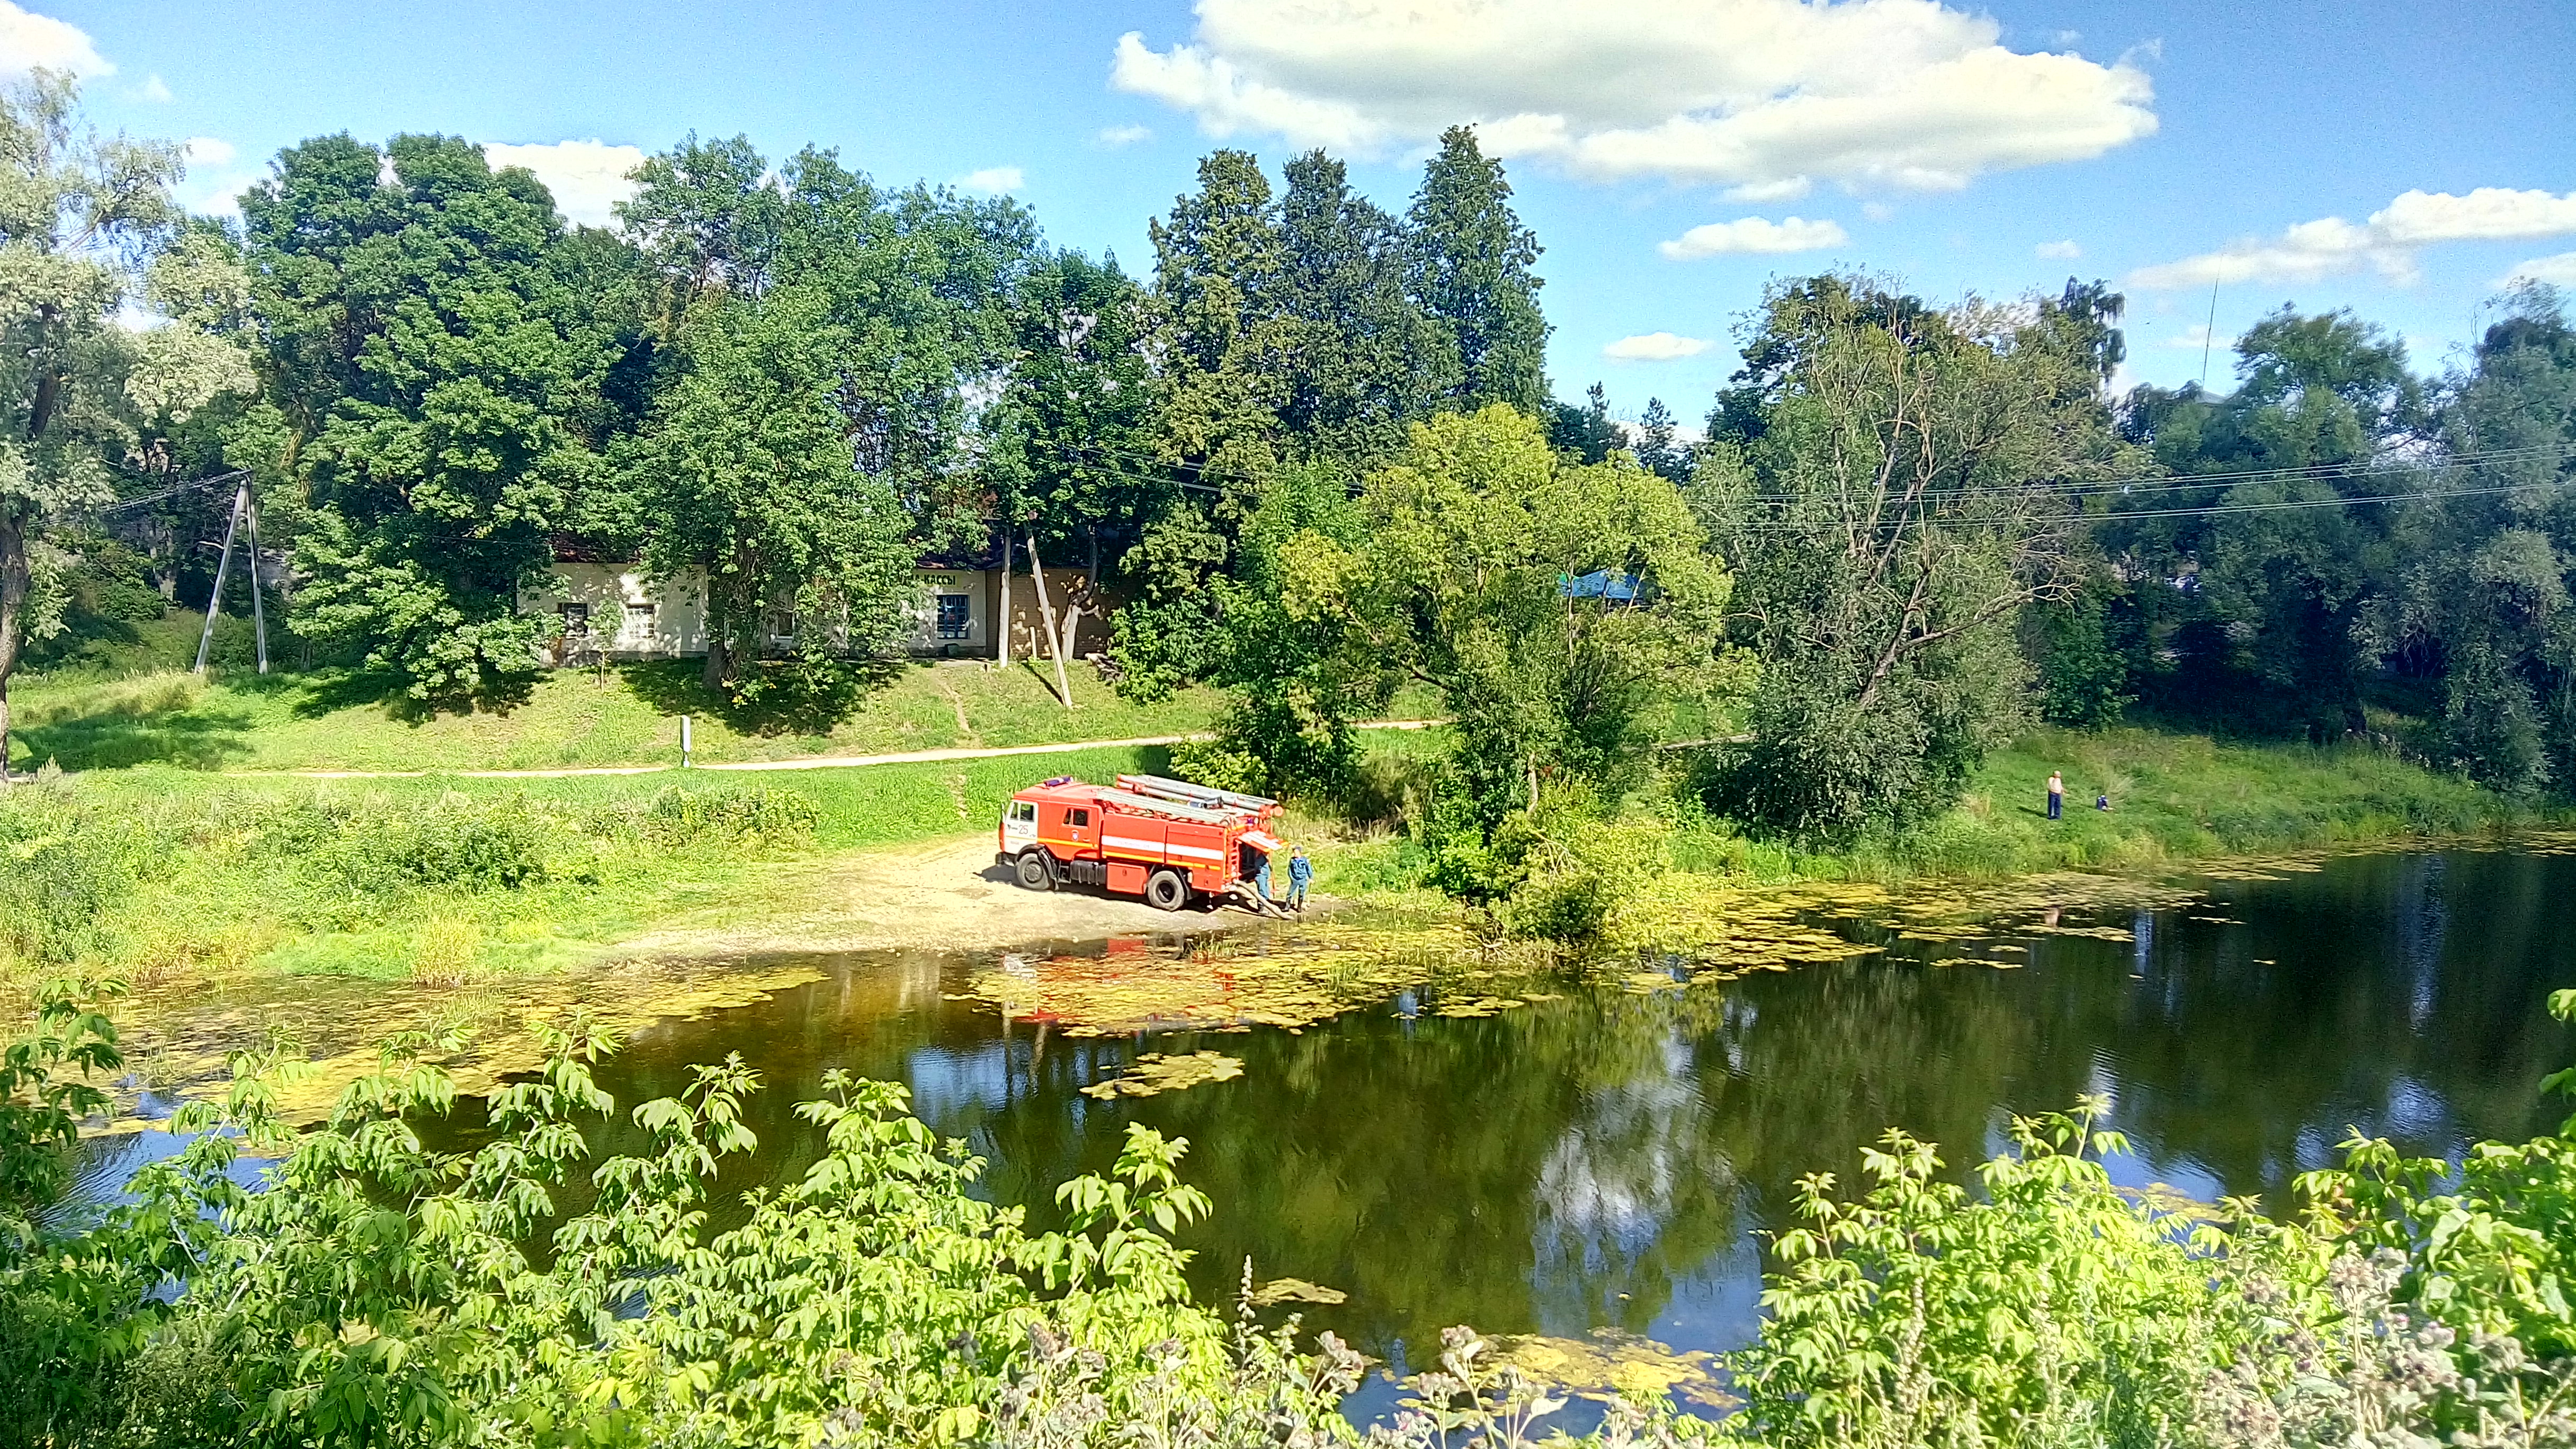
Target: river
(1611, 1158)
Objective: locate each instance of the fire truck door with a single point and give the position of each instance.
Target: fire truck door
(1077, 827)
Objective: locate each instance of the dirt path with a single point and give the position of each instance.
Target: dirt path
(813, 762)
(942, 893)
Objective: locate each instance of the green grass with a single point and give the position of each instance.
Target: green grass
(133, 703)
(198, 881)
(2174, 797)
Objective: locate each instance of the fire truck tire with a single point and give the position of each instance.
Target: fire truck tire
(1167, 891)
(1037, 870)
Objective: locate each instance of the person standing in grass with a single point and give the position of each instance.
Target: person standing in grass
(2056, 795)
(1300, 871)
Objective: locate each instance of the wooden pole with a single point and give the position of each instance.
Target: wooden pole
(223, 566)
(1046, 614)
(258, 611)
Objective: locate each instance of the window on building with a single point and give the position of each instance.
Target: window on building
(576, 618)
(639, 621)
(955, 613)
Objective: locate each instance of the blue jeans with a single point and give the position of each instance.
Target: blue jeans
(2056, 806)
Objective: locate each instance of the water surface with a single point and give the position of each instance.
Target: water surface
(1612, 1160)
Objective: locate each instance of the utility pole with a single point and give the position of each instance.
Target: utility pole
(242, 508)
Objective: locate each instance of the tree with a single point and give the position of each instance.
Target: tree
(2282, 582)
(1658, 451)
(1065, 440)
(2483, 596)
(1585, 434)
(1890, 498)
(1474, 272)
(86, 226)
(1219, 348)
(1367, 359)
(439, 383)
(1554, 607)
(748, 476)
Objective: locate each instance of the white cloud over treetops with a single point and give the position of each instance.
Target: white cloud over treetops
(2062, 251)
(1753, 234)
(1655, 347)
(1764, 96)
(588, 178)
(30, 41)
(992, 181)
(2557, 271)
(1125, 135)
(2388, 240)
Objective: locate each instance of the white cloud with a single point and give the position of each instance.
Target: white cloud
(1757, 192)
(993, 180)
(1125, 135)
(2387, 241)
(2061, 251)
(209, 151)
(29, 41)
(1877, 210)
(1763, 94)
(1753, 234)
(1655, 347)
(2557, 271)
(2197, 338)
(588, 178)
(155, 90)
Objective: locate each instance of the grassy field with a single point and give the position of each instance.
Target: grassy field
(164, 875)
(2173, 798)
(116, 707)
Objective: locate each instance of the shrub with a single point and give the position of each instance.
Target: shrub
(498, 843)
(1219, 766)
(764, 813)
(61, 869)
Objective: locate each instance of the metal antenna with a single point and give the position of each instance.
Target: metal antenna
(2208, 334)
(223, 567)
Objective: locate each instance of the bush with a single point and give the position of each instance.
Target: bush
(765, 814)
(459, 842)
(61, 869)
(1218, 766)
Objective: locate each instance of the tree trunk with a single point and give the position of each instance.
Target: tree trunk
(1046, 612)
(1002, 624)
(14, 583)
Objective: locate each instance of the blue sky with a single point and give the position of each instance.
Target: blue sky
(2398, 159)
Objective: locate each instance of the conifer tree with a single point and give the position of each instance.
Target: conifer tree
(1473, 271)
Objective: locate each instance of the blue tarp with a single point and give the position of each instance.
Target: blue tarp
(1603, 584)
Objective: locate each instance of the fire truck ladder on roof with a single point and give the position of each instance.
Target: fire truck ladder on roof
(1204, 796)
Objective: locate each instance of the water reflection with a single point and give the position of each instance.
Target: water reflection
(1606, 1159)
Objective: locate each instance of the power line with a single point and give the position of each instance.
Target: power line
(2169, 483)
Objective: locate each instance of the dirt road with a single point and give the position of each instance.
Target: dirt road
(942, 893)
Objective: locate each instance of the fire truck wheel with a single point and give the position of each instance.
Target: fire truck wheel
(1037, 872)
(1167, 891)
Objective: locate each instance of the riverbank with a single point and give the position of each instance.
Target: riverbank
(160, 875)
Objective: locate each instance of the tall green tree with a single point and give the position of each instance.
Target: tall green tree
(1584, 433)
(439, 383)
(1067, 445)
(748, 474)
(86, 227)
(2483, 595)
(1475, 272)
(1659, 449)
(1888, 486)
(1367, 360)
(2281, 582)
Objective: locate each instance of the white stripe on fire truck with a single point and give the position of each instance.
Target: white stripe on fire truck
(1202, 852)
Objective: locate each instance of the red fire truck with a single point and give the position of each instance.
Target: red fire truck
(1169, 841)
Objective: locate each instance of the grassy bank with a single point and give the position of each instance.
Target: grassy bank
(2174, 798)
(164, 876)
(134, 704)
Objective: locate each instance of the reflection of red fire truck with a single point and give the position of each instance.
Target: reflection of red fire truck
(1166, 840)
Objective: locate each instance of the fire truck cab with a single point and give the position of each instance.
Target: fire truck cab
(1168, 841)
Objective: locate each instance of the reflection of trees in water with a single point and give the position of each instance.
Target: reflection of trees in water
(1524, 1171)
